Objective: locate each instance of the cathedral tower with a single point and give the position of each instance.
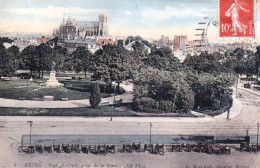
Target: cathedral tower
(103, 25)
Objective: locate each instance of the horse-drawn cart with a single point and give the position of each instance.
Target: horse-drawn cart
(56, 147)
(66, 147)
(127, 148)
(75, 148)
(84, 148)
(111, 149)
(159, 149)
(149, 148)
(102, 149)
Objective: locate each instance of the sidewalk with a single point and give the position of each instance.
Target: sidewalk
(256, 92)
(234, 110)
(126, 97)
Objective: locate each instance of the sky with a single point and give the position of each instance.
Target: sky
(147, 18)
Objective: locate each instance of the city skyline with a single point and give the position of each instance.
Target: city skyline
(149, 19)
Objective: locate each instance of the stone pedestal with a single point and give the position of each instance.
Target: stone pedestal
(52, 81)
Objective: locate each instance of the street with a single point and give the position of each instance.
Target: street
(12, 129)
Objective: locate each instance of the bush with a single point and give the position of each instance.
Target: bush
(146, 104)
(95, 97)
(166, 106)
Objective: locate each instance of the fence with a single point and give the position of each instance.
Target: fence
(217, 112)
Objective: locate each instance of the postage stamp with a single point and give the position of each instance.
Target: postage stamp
(237, 18)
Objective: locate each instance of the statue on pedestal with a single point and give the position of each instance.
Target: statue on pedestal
(53, 66)
(52, 81)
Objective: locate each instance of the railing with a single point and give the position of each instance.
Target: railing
(217, 112)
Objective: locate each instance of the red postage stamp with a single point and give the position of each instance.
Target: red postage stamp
(236, 18)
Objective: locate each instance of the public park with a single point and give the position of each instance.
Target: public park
(95, 103)
(155, 78)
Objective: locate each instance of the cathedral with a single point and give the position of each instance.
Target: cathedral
(71, 29)
(91, 34)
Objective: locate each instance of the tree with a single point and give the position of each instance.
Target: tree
(9, 60)
(95, 97)
(139, 49)
(14, 60)
(250, 67)
(3, 61)
(30, 58)
(205, 62)
(120, 42)
(163, 59)
(110, 64)
(257, 55)
(211, 93)
(157, 90)
(60, 56)
(44, 58)
(245, 66)
(239, 53)
(129, 39)
(5, 40)
(53, 42)
(239, 66)
(81, 58)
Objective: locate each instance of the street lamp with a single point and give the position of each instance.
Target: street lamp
(228, 114)
(114, 100)
(236, 87)
(31, 123)
(257, 134)
(198, 111)
(151, 133)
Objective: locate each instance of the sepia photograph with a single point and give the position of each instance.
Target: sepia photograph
(129, 84)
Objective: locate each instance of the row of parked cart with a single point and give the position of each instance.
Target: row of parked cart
(244, 146)
(103, 149)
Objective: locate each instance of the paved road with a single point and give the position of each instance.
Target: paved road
(12, 129)
(126, 97)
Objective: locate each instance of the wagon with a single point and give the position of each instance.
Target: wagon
(215, 149)
(202, 147)
(84, 148)
(111, 149)
(102, 149)
(127, 148)
(26, 149)
(93, 149)
(159, 149)
(136, 146)
(149, 148)
(244, 146)
(56, 147)
(253, 148)
(226, 150)
(66, 148)
(39, 148)
(176, 148)
(186, 147)
(75, 148)
(48, 148)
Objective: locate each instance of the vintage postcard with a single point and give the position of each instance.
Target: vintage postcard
(129, 84)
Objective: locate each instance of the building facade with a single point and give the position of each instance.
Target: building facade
(71, 29)
(72, 33)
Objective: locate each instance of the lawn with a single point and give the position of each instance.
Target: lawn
(23, 89)
(86, 111)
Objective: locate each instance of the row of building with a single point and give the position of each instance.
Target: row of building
(94, 34)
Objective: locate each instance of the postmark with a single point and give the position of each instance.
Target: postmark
(237, 18)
